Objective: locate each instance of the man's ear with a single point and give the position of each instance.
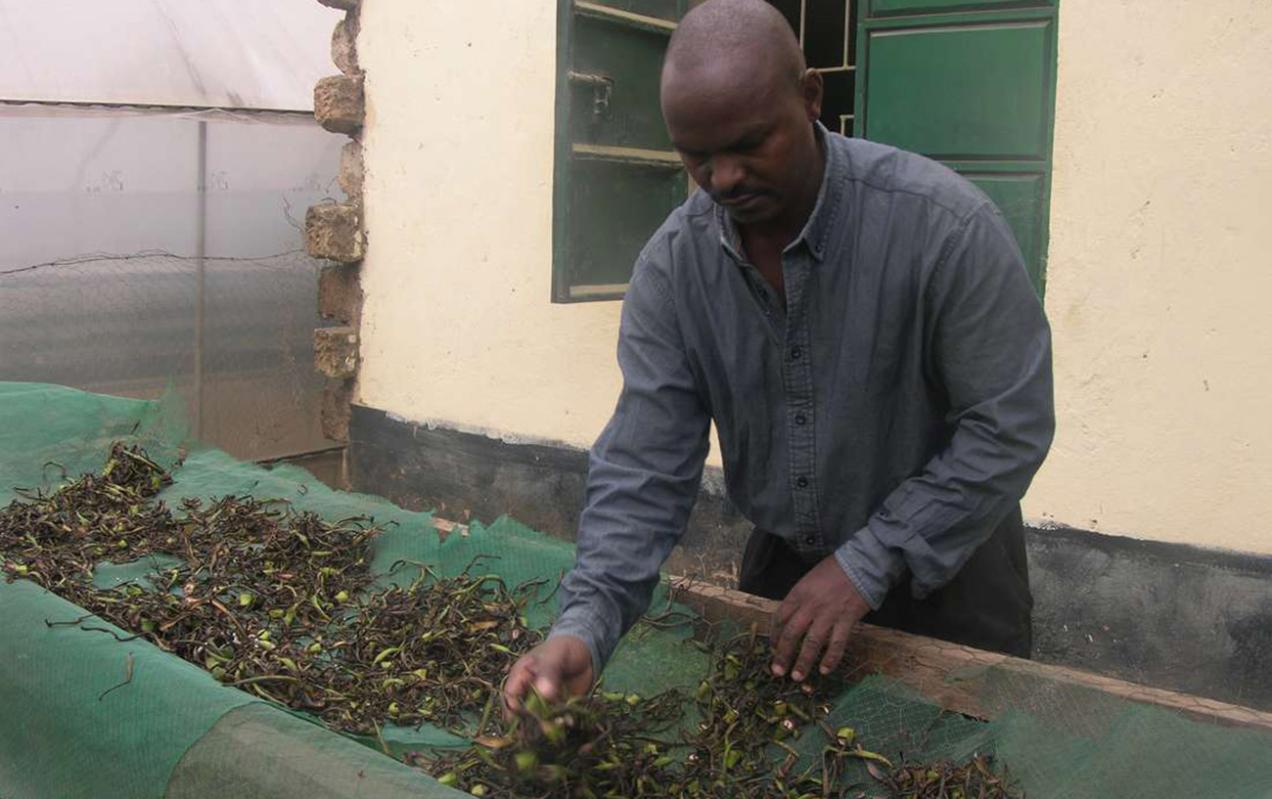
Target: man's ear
(812, 88)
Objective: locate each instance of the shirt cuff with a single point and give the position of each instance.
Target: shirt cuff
(872, 567)
(576, 624)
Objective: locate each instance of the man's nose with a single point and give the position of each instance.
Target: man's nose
(726, 175)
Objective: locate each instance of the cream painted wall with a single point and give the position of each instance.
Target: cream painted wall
(457, 327)
(1158, 285)
(1160, 272)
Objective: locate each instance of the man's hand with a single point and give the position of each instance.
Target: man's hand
(820, 611)
(561, 663)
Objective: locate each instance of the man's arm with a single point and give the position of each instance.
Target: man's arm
(990, 351)
(643, 478)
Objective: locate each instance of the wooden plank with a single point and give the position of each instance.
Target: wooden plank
(966, 680)
(614, 290)
(643, 21)
(662, 159)
(445, 527)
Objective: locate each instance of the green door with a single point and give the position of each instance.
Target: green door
(970, 84)
(617, 176)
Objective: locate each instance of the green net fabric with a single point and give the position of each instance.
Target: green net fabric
(173, 731)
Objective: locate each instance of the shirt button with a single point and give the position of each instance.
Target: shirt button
(801, 481)
(796, 353)
(800, 419)
(809, 540)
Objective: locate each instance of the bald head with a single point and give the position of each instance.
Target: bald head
(739, 41)
(740, 105)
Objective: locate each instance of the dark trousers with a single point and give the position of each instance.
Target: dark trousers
(987, 605)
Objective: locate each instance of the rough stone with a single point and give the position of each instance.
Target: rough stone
(334, 231)
(350, 176)
(339, 295)
(343, 5)
(337, 409)
(344, 45)
(336, 352)
(338, 103)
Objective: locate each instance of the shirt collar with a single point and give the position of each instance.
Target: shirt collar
(821, 220)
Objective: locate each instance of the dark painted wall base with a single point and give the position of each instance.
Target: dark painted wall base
(1169, 615)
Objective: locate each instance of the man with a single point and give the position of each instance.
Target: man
(858, 322)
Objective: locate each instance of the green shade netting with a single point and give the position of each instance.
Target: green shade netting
(57, 739)
(173, 731)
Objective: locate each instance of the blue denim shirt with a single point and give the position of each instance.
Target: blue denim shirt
(892, 412)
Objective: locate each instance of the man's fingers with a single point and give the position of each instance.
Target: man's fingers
(783, 615)
(548, 687)
(814, 642)
(791, 633)
(517, 684)
(838, 644)
(550, 669)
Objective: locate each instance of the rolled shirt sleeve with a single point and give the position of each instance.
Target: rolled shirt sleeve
(643, 476)
(989, 349)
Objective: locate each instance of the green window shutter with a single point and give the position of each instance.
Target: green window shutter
(616, 176)
(971, 84)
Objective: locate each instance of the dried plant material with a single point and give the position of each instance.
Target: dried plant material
(277, 602)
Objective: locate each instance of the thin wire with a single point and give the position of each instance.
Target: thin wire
(95, 257)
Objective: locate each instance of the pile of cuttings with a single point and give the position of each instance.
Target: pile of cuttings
(743, 744)
(975, 779)
(279, 602)
(602, 745)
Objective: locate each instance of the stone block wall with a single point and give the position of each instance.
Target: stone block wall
(334, 231)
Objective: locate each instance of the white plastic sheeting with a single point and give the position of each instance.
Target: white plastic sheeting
(249, 54)
(148, 251)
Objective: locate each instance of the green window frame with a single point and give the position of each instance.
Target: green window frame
(616, 176)
(970, 83)
(827, 33)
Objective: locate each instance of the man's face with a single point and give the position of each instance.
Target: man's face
(750, 146)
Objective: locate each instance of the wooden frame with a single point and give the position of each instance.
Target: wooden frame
(957, 676)
(952, 675)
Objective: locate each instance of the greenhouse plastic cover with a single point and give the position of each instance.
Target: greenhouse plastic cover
(152, 250)
(173, 731)
(243, 54)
